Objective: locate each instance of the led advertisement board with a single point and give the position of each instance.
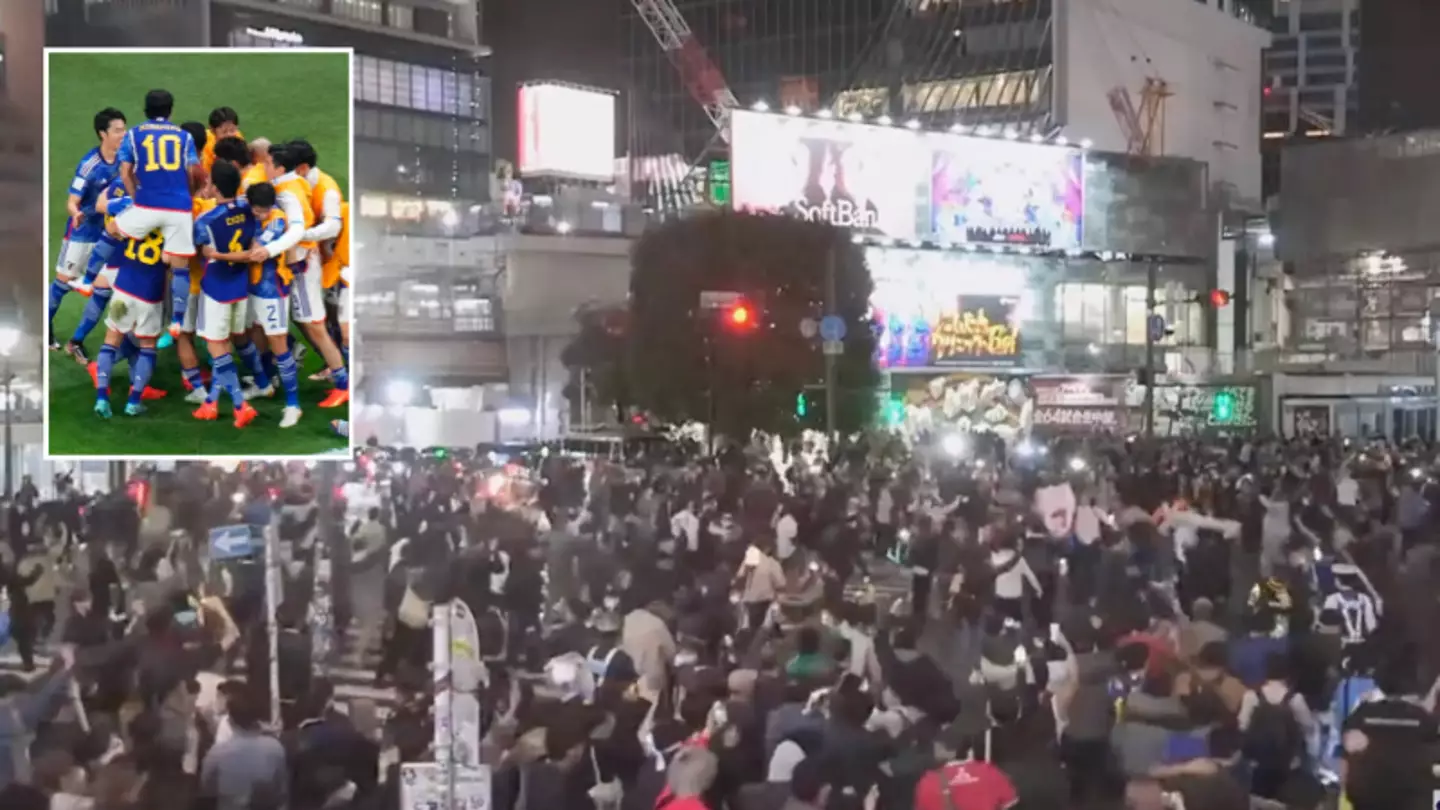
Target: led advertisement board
(895, 183)
(944, 310)
(993, 191)
(870, 179)
(566, 132)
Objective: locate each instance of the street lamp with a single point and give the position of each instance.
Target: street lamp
(9, 339)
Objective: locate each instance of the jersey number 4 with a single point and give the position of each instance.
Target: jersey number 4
(162, 152)
(146, 252)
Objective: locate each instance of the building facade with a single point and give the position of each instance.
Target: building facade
(938, 60)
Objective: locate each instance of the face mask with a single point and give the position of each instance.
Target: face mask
(686, 658)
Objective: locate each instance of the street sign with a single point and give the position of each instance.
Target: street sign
(832, 328)
(717, 299)
(809, 328)
(833, 347)
(1156, 324)
(230, 542)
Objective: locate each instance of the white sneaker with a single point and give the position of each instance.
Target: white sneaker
(79, 285)
(291, 417)
(196, 396)
(253, 391)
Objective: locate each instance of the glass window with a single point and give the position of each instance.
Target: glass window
(1321, 21)
(1325, 77)
(1286, 61)
(386, 94)
(465, 92)
(402, 16)
(449, 95)
(1324, 60)
(373, 205)
(473, 314)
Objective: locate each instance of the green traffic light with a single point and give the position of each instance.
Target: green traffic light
(1223, 407)
(801, 406)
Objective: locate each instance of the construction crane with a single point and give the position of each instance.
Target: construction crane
(1143, 127)
(702, 78)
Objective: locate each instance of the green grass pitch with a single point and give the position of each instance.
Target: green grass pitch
(279, 95)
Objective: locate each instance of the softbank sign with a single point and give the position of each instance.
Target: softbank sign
(865, 178)
(841, 213)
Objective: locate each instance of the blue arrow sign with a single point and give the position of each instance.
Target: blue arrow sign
(832, 328)
(230, 542)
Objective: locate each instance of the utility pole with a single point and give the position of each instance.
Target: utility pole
(1152, 281)
(829, 356)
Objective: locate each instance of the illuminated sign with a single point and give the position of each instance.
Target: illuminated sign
(986, 190)
(983, 334)
(567, 132)
(1080, 402)
(922, 295)
(901, 184)
(865, 178)
(975, 330)
(274, 34)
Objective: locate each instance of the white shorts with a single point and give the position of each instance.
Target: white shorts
(270, 314)
(74, 258)
(345, 303)
(131, 316)
(307, 297)
(217, 321)
(192, 313)
(108, 273)
(178, 228)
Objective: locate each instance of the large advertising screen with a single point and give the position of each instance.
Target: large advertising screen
(566, 132)
(896, 183)
(940, 310)
(867, 178)
(994, 191)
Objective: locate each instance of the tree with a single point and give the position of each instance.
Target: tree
(678, 353)
(596, 359)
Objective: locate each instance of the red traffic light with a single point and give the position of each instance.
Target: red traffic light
(740, 315)
(1219, 298)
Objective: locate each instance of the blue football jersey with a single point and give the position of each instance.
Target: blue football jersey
(274, 278)
(229, 228)
(118, 203)
(141, 268)
(93, 176)
(162, 154)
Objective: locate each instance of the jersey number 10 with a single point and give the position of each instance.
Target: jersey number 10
(162, 152)
(147, 251)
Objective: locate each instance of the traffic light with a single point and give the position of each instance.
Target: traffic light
(740, 317)
(802, 407)
(1222, 407)
(1219, 298)
(893, 413)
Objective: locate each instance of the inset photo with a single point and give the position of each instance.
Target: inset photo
(198, 232)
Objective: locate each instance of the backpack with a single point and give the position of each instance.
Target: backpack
(1273, 739)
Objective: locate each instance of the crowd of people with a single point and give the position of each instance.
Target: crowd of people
(1061, 625)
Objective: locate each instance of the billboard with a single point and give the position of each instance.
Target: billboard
(994, 191)
(935, 310)
(867, 178)
(1081, 403)
(566, 132)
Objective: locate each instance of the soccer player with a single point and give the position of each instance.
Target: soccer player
(137, 309)
(195, 379)
(94, 286)
(225, 235)
(180, 279)
(323, 201)
(103, 281)
(92, 177)
(224, 123)
(270, 282)
(155, 160)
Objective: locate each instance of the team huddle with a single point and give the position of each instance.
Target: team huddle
(239, 238)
